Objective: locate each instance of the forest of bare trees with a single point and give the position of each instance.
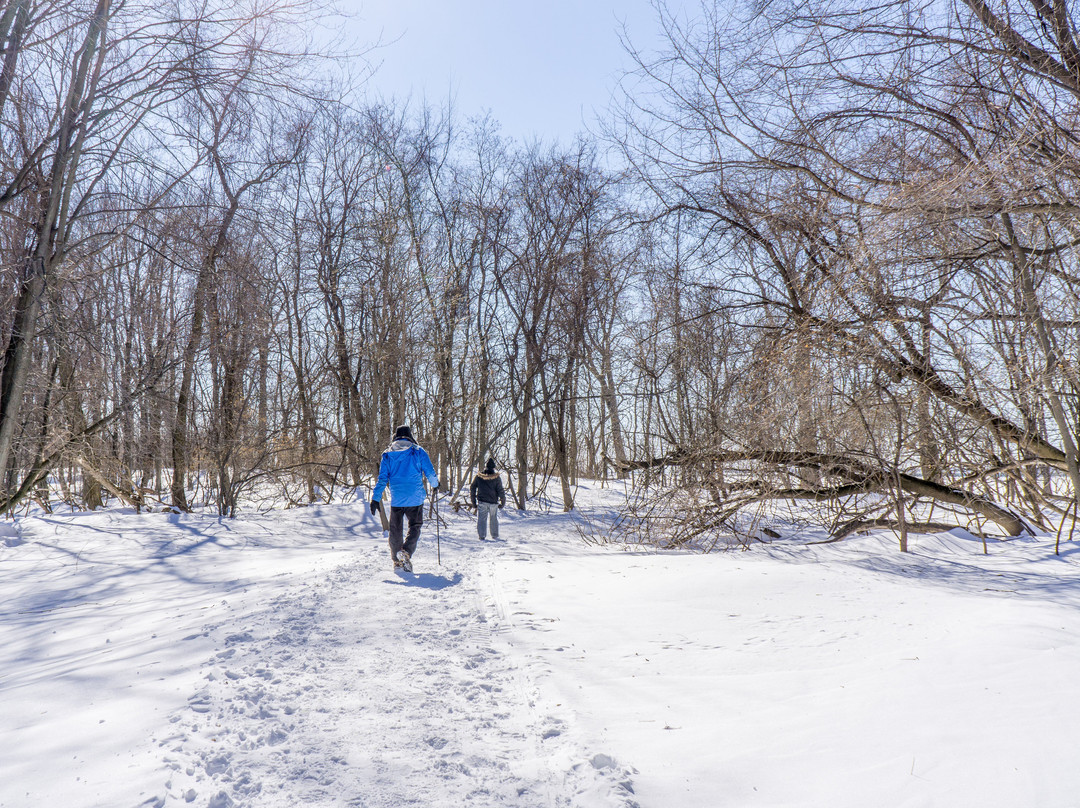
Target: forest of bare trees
(821, 254)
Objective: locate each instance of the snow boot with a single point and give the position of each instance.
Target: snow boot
(405, 559)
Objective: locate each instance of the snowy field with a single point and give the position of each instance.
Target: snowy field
(276, 660)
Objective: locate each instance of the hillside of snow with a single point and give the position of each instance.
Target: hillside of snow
(277, 660)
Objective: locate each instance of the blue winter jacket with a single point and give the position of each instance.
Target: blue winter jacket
(403, 467)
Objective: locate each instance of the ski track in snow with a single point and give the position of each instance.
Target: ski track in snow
(368, 688)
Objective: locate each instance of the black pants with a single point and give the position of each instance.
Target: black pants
(415, 515)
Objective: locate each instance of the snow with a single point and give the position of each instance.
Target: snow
(277, 660)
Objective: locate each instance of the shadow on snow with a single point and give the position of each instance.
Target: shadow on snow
(425, 580)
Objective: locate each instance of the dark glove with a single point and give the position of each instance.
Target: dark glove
(502, 505)
(434, 490)
(374, 506)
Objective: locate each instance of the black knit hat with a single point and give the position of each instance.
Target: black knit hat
(403, 432)
(490, 467)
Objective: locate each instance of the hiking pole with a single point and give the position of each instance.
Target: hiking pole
(438, 544)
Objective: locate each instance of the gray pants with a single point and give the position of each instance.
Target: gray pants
(487, 513)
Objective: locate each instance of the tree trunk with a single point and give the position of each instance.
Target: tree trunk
(178, 487)
(521, 447)
(12, 27)
(52, 229)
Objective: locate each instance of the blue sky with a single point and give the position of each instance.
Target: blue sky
(540, 67)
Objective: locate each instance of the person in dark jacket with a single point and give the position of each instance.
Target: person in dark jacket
(487, 495)
(403, 468)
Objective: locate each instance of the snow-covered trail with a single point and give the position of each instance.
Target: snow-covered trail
(370, 688)
(269, 661)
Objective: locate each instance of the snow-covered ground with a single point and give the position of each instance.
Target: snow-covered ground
(276, 660)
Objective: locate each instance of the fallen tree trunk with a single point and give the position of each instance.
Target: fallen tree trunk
(858, 525)
(131, 496)
(859, 478)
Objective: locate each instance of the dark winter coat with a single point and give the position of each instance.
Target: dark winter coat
(487, 488)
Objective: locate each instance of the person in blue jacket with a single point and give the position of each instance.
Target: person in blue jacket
(403, 467)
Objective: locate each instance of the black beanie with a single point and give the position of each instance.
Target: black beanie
(403, 432)
(490, 467)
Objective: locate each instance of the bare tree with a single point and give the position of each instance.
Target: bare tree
(90, 149)
(885, 191)
(74, 111)
(244, 139)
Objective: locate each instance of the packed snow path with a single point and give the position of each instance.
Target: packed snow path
(277, 660)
